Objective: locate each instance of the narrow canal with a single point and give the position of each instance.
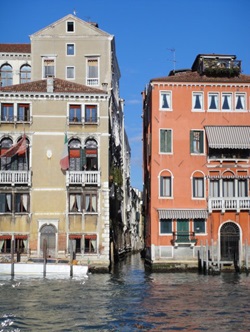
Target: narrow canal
(129, 299)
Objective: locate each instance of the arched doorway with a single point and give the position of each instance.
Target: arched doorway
(229, 241)
(48, 233)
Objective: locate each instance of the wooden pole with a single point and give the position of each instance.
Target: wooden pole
(71, 258)
(12, 272)
(44, 257)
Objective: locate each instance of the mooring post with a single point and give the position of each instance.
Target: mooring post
(71, 258)
(206, 256)
(12, 272)
(44, 257)
(202, 265)
(246, 257)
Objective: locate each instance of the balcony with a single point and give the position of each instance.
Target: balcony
(15, 178)
(83, 178)
(228, 204)
(183, 238)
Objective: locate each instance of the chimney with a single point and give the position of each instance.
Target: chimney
(50, 84)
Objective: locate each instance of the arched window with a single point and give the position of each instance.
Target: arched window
(75, 155)
(198, 185)
(6, 75)
(166, 185)
(25, 74)
(19, 160)
(6, 144)
(91, 155)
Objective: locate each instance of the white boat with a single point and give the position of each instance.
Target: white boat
(39, 269)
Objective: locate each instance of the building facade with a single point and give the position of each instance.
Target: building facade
(62, 90)
(196, 141)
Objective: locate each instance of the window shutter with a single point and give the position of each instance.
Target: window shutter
(83, 158)
(191, 142)
(169, 141)
(202, 142)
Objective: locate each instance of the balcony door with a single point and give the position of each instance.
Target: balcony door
(182, 230)
(229, 241)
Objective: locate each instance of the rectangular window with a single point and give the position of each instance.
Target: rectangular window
(90, 244)
(70, 49)
(213, 101)
(92, 71)
(165, 186)
(165, 226)
(165, 140)
(70, 26)
(226, 101)
(197, 101)
(7, 112)
(75, 202)
(23, 112)
(214, 188)
(228, 188)
(165, 101)
(240, 101)
(197, 141)
(198, 187)
(48, 67)
(5, 203)
(90, 202)
(90, 113)
(75, 113)
(242, 188)
(199, 226)
(70, 72)
(21, 203)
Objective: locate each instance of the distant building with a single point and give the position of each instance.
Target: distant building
(62, 88)
(196, 144)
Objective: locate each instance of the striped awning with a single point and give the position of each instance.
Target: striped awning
(230, 137)
(182, 214)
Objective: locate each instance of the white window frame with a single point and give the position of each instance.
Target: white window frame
(66, 74)
(92, 81)
(74, 48)
(44, 58)
(70, 21)
(168, 95)
(15, 110)
(169, 233)
(97, 113)
(193, 184)
(203, 142)
(194, 95)
(163, 174)
(214, 94)
(171, 148)
(242, 94)
(68, 113)
(230, 101)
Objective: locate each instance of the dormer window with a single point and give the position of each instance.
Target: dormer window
(70, 26)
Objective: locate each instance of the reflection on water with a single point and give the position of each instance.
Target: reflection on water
(129, 299)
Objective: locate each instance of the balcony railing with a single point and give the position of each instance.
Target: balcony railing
(228, 203)
(83, 178)
(15, 177)
(183, 237)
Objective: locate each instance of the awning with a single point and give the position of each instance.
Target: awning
(182, 214)
(229, 137)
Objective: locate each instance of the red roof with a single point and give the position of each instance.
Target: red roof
(59, 86)
(15, 48)
(193, 76)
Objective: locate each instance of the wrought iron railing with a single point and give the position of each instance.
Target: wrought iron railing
(183, 237)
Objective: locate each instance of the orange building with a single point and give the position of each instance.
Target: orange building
(196, 143)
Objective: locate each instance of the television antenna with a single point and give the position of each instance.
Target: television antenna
(173, 60)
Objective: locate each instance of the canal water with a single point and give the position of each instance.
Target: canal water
(129, 299)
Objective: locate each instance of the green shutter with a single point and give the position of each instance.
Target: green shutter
(83, 158)
(169, 140)
(202, 142)
(162, 140)
(191, 141)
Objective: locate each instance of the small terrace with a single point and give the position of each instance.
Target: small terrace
(83, 178)
(15, 178)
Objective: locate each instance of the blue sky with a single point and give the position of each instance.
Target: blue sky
(145, 32)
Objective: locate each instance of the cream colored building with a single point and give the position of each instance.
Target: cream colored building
(70, 86)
